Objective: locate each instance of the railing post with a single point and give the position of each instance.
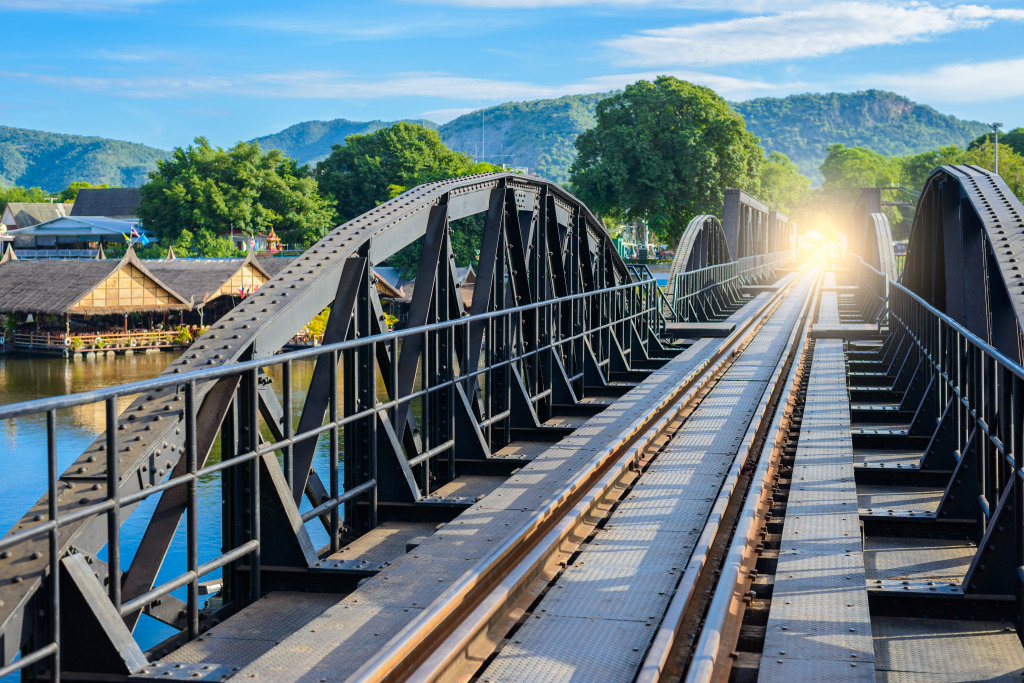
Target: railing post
(114, 515)
(192, 507)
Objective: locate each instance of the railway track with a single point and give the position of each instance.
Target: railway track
(479, 620)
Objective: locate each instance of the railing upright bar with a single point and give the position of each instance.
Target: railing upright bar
(253, 419)
(114, 514)
(332, 418)
(54, 539)
(192, 508)
(287, 427)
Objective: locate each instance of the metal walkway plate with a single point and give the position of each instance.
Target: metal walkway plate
(912, 650)
(819, 626)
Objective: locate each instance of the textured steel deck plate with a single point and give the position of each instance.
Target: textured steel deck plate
(384, 544)
(587, 660)
(879, 500)
(946, 650)
(924, 559)
(246, 636)
(819, 626)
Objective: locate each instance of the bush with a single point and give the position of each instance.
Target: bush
(184, 336)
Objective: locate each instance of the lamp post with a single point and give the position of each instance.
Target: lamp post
(995, 130)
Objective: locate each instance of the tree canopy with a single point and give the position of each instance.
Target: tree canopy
(373, 167)
(664, 152)
(782, 185)
(20, 194)
(243, 189)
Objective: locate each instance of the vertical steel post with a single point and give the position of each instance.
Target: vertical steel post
(114, 515)
(287, 427)
(192, 510)
(54, 549)
(333, 419)
(256, 500)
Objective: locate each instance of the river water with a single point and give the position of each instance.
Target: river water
(23, 452)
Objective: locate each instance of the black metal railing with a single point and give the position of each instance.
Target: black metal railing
(244, 448)
(974, 401)
(701, 294)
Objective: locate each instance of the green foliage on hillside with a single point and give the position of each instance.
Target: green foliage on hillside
(540, 135)
(310, 142)
(203, 187)
(804, 126)
(53, 161)
(664, 152)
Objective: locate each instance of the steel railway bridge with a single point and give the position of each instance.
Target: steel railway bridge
(765, 470)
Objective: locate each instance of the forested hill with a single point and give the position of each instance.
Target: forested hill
(803, 126)
(540, 135)
(52, 161)
(311, 141)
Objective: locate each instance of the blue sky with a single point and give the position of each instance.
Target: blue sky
(164, 71)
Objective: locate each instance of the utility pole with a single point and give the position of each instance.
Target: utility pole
(995, 130)
(483, 137)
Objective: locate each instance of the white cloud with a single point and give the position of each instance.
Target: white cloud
(964, 82)
(813, 32)
(341, 86)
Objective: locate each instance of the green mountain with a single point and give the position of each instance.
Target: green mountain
(311, 141)
(540, 135)
(803, 126)
(52, 161)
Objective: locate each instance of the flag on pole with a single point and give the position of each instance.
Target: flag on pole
(134, 233)
(143, 239)
(252, 242)
(126, 239)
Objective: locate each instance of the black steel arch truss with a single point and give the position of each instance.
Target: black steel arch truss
(702, 281)
(539, 244)
(966, 252)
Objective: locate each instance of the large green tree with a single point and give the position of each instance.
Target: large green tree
(243, 189)
(782, 184)
(664, 152)
(372, 168)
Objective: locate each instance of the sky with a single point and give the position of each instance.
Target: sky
(162, 72)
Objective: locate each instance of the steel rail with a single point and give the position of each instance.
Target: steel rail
(707, 649)
(434, 640)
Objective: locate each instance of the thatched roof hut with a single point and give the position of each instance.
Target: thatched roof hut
(85, 287)
(203, 280)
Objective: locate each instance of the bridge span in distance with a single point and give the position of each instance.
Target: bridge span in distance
(768, 470)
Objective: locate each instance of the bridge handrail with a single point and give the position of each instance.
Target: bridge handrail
(40, 405)
(980, 391)
(634, 299)
(911, 298)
